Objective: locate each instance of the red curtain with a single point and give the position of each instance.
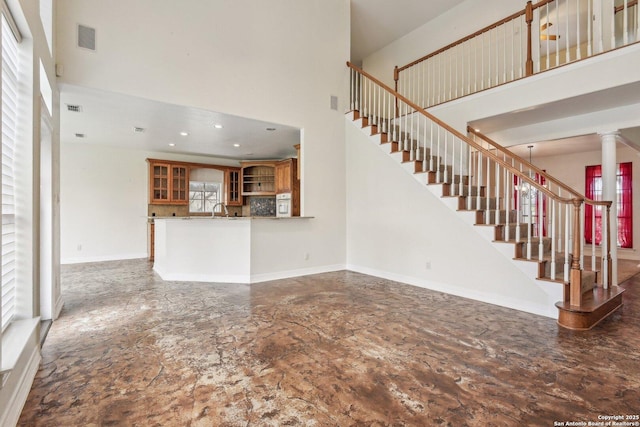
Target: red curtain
(625, 213)
(593, 190)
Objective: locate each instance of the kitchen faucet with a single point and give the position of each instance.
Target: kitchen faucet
(213, 210)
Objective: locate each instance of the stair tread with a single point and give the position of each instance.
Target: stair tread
(592, 300)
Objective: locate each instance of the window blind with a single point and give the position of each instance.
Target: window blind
(9, 118)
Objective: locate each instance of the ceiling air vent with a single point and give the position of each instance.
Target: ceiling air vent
(86, 37)
(74, 108)
(80, 135)
(138, 129)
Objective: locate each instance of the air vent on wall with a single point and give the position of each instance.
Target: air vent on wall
(138, 129)
(80, 135)
(74, 108)
(86, 37)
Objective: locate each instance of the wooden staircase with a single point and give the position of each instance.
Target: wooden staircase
(596, 304)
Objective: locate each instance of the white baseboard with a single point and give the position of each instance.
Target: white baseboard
(115, 257)
(10, 415)
(460, 292)
(247, 279)
(57, 308)
(264, 277)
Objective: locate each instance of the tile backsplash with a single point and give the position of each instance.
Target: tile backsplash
(262, 206)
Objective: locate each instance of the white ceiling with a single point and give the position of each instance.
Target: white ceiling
(109, 118)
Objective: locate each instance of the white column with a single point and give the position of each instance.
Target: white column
(609, 170)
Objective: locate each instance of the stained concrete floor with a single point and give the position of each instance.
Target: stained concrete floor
(335, 349)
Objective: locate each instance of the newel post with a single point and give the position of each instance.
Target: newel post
(529, 20)
(575, 278)
(396, 77)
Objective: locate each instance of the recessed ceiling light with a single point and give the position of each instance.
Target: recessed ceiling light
(236, 145)
(184, 133)
(172, 144)
(271, 129)
(217, 126)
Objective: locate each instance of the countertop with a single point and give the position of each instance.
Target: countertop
(228, 218)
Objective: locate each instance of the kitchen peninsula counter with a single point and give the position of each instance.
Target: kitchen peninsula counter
(231, 249)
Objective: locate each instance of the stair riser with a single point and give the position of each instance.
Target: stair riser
(512, 231)
(521, 249)
(454, 190)
(472, 203)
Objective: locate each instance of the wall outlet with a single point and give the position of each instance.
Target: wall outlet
(427, 265)
(79, 248)
(306, 256)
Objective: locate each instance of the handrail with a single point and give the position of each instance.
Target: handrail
(462, 40)
(509, 58)
(466, 139)
(484, 30)
(536, 169)
(620, 8)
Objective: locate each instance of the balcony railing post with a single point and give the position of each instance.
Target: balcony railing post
(576, 272)
(529, 20)
(396, 77)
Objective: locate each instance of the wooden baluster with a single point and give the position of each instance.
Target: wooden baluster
(425, 151)
(461, 149)
(529, 20)
(553, 239)
(548, 31)
(479, 181)
(576, 273)
(540, 205)
(567, 256)
(447, 178)
(593, 236)
(529, 220)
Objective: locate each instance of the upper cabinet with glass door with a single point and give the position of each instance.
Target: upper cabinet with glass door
(168, 183)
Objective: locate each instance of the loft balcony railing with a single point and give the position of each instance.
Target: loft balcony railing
(536, 210)
(541, 37)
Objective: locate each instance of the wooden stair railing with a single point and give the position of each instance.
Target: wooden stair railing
(542, 36)
(500, 186)
(561, 187)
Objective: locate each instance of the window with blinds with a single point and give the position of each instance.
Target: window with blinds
(9, 118)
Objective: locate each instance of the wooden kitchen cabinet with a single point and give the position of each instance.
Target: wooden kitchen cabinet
(286, 176)
(258, 178)
(232, 182)
(168, 183)
(287, 181)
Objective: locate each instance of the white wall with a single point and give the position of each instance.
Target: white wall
(570, 169)
(396, 226)
(458, 22)
(277, 61)
(103, 205)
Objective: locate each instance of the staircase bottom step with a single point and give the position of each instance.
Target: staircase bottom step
(597, 305)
